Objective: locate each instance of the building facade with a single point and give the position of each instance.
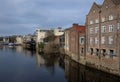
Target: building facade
(58, 31)
(19, 40)
(102, 36)
(40, 35)
(75, 41)
(67, 31)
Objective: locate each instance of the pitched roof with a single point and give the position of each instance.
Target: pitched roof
(98, 5)
(95, 5)
(116, 2)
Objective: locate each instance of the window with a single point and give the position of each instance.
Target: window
(96, 29)
(91, 51)
(112, 53)
(96, 40)
(81, 40)
(110, 39)
(94, 11)
(111, 28)
(106, 7)
(96, 21)
(118, 25)
(97, 52)
(104, 52)
(103, 29)
(91, 22)
(91, 30)
(103, 19)
(91, 40)
(103, 40)
(82, 50)
(110, 17)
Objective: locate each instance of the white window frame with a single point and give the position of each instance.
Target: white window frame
(96, 40)
(111, 28)
(110, 39)
(96, 21)
(91, 22)
(80, 40)
(103, 19)
(118, 25)
(111, 17)
(91, 40)
(91, 30)
(103, 40)
(103, 30)
(96, 29)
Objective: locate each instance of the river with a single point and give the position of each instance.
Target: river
(21, 65)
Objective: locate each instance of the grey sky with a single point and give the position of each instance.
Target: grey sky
(23, 16)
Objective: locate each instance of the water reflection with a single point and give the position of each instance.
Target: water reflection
(21, 65)
(78, 73)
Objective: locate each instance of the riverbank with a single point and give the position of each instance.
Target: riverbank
(77, 72)
(106, 65)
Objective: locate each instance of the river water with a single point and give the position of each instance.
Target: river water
(21, 65)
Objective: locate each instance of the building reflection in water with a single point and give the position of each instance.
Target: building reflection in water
(19, 49)
(39, 60)
(79, 73)
(47, 61)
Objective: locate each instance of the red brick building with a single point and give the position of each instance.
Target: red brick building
(76, 41)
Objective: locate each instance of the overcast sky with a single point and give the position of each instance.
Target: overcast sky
(24, 16)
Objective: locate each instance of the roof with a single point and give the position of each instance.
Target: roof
(98, 5)
(95, 5)
(78, 27)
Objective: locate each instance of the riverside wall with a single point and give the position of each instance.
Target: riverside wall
(105, 64)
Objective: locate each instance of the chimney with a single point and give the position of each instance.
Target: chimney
(75, 24)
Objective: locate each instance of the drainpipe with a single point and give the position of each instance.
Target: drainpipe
(85, 48)
(78, 48)
(99, 38)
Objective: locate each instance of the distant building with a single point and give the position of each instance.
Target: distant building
(19, 40)
(62, 41)
(40, 35)
(67, 48)
(58, 31)
(27, 38)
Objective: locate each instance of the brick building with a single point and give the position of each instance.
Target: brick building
(102, 35)
(67, 31)
(75, 41)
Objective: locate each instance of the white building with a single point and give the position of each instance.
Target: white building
(19, 40)
(67, 41)
(27, 38)
(58, 32)
(40, 35)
